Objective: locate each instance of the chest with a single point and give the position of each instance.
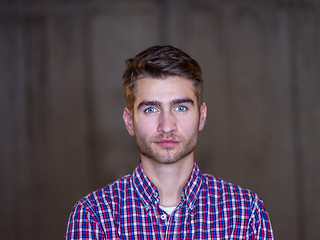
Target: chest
(206, 220)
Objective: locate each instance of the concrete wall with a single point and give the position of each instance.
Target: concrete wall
(61, 102)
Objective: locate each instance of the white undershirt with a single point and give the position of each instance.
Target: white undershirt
(168, 210)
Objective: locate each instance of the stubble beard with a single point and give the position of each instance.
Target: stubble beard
(166, 155)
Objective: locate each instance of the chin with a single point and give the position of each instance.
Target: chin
(170, 158)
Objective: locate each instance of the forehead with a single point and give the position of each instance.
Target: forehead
(163, 90)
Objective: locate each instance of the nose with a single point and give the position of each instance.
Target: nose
(167, 123)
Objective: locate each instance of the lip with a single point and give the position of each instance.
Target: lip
(167, 143)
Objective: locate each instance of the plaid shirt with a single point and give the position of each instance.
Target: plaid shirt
(209, 209)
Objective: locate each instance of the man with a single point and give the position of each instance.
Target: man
(166, 196)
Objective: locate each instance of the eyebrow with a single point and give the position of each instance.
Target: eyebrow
(149, 103)
(182, 100)
(173, 102)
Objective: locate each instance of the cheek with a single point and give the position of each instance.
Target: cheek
(145, 127)
(188, 125)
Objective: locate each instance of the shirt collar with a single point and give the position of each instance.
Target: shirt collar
(149, 193)
(192, 188)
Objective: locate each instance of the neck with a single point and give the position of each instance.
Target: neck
(169, 178)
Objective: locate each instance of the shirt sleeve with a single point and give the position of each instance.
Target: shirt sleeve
(259, 227)
(84, 225)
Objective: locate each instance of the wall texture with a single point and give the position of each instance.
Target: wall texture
(61, 102)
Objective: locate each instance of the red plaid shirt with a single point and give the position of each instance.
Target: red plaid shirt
(209, 209)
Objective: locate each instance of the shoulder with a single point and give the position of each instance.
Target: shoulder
(96, 212)
(236, 205)
(229, 192)
(105, 199)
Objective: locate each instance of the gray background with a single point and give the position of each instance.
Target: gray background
(61, 102)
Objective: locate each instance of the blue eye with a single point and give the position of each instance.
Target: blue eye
(150, 110)
(181, 108)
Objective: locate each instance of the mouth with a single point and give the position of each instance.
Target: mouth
(167, 143)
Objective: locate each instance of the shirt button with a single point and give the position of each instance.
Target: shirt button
(155, 195)
(163, 217)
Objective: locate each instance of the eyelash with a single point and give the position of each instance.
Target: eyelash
(180, 106)
(150, 108)
(184, 109)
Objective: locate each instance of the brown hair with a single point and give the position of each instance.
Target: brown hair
(161, 62)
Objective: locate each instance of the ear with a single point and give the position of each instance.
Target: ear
(128, 121)
(203, 116)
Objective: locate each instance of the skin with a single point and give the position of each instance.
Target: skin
(165, 122)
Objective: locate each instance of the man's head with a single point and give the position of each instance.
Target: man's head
(161, 62)
(165, 112)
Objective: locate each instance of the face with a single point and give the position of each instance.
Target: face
(165, 119)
